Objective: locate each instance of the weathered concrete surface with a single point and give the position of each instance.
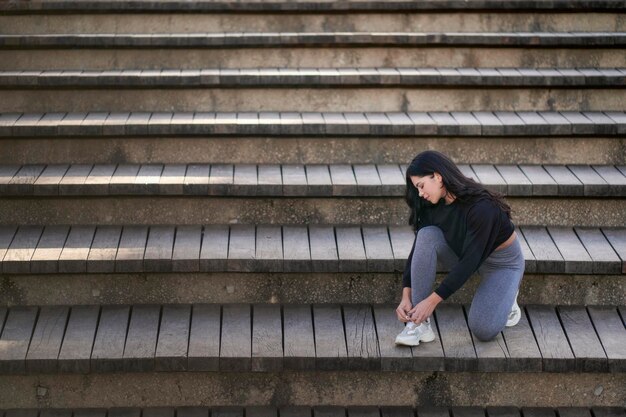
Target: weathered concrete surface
(62, 289)
(324, 57)
(317, 99)
(596, 212)
(314, 388)
(568, 211)
(293, 22)
(311, 150)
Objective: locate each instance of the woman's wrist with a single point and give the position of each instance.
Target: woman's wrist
(435, 298)
(406, 293)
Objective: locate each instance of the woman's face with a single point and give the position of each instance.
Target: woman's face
(429, 187)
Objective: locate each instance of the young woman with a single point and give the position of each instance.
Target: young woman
(466, 228)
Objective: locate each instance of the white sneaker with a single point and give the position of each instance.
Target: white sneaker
(413, 334)
(515, 315)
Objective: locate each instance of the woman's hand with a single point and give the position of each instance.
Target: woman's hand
(424, 309)
(403, 310)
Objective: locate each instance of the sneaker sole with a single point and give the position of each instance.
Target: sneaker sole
(421, 339)
(401, 343)
(427, 339)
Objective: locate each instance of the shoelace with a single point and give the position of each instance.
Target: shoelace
(415, 330)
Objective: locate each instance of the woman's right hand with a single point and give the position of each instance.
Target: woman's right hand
(403, 310)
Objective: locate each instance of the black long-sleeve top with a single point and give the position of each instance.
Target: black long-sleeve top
(473, 231)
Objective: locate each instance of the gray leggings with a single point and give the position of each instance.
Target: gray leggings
(500, 273)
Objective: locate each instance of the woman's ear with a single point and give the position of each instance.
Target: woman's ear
(438, 177)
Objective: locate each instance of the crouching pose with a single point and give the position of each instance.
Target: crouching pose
(466, 228)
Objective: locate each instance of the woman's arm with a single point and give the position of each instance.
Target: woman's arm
(483, 221)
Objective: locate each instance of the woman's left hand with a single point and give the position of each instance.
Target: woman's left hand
(424, 309)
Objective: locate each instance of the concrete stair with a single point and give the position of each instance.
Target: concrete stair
(372, 194)
(178, 345)
(327, 89)
(274, 263)
(273, 338)
(202, 205)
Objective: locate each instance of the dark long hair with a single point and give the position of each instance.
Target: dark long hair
(463, 188)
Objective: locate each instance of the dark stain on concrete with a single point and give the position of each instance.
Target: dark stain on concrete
(282, 394)
(404, 106)
(11, 294)
(118, 156)
(433, 391)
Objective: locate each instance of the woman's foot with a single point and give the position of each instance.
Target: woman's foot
(413, 334)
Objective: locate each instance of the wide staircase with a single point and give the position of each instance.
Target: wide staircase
(202, 205)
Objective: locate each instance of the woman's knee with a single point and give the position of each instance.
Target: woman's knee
(483, 330)
(429, 234)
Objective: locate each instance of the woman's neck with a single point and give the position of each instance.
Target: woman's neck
(449, 198)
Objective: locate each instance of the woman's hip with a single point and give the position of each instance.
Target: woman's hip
(509, 257)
